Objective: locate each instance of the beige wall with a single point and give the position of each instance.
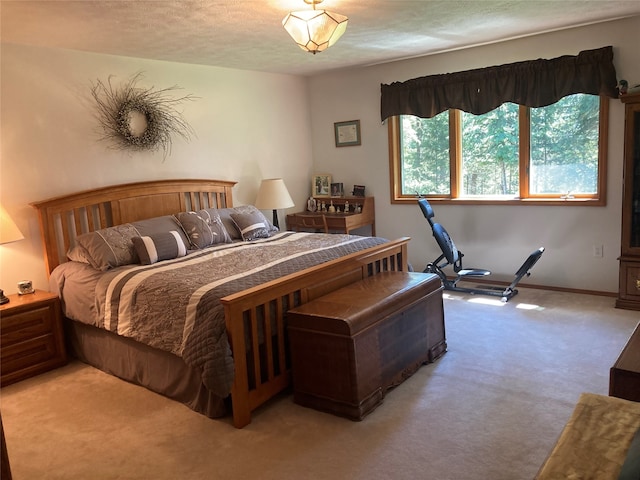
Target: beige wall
(252, 125)
(248, 126)
(494, 237)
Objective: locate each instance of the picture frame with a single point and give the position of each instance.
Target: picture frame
(347, 133)
(358, 190)
(321, 185)
(337, 190)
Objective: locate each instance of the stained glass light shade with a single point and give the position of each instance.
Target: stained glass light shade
(315, 30)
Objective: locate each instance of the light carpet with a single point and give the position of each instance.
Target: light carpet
(491, 408)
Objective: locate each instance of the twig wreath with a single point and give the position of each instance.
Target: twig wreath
(137, 118)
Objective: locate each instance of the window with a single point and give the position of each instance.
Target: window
(552, 154)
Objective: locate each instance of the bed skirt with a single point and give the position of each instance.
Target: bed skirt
(156, 370)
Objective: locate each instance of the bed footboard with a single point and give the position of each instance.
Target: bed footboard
(259, 313)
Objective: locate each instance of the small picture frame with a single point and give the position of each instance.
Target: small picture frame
(347, 133)
(358, 190)
(337, 190)
(321, 185)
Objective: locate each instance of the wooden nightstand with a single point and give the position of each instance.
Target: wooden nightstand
(31, 336)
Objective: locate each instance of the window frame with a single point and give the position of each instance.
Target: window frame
(525, 197)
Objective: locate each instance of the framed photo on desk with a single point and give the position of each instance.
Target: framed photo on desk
(321, 185)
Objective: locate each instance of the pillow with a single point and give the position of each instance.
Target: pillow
(250, 225)
(166, 223)
(227, 221)
(108, 247)
(203, 228)
(79, 254)
(160, 246)
(112, 246)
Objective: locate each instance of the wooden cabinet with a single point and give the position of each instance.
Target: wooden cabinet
(629, 289)
(340, 221)
(31, 338)
(624, 377)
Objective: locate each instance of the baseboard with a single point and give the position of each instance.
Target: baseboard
(543, 287)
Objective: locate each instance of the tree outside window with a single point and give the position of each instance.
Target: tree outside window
(510, 154)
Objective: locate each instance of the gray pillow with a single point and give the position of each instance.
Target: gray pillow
(203, 228)
(109, 247)
(113, 247)
(159, 246)
(250, 225)
(227, 221)
(163, 224)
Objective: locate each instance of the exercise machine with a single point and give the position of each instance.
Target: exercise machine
(452, 256)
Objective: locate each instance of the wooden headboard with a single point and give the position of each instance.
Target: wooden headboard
(63, 218)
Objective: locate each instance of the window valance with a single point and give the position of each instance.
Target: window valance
(534, 83)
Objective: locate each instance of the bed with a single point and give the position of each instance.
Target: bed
(252, 311)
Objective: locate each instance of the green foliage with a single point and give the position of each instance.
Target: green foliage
(490, 152)
(425, 155)
(564, 146)
(564, 150)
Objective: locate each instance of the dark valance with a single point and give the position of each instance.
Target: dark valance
(535, 83)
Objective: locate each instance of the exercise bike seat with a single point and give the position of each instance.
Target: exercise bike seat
(473, 272)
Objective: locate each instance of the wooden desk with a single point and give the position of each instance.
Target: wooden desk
(624, 378)
(342, 222)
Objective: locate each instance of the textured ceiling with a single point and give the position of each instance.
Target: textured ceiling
(248, 34)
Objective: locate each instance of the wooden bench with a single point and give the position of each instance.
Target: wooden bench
(351, 345)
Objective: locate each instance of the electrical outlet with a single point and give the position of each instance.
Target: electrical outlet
(598, 251)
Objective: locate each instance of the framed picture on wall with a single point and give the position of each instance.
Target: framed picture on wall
(347, 133)
(321, 185)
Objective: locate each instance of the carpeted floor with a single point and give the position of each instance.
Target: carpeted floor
(491, 408)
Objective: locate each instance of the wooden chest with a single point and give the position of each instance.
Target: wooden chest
(351, 345)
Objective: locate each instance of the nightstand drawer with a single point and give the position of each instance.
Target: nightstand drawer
(25, 325)
(31, 336)
(29, 356)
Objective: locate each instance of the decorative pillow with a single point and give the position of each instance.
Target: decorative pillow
(113, 246)
(251, 225)
(204, 228)
(163, 224)
(158, 247)
(109, 247)
(227, 221)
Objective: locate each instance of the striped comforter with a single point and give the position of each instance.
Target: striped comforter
(174, 305)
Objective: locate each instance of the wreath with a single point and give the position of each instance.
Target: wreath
(137, 118)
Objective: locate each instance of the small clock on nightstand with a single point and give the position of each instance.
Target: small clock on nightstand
(31, 336)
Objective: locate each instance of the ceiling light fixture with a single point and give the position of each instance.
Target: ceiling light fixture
(315, 30)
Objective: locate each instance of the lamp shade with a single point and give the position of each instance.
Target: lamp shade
(273, 195)
(9, 232)
(315, 30)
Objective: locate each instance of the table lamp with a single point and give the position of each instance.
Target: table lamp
(273, 195)
(9, 232)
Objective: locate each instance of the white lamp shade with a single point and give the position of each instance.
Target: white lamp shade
(273, 195)
(315, 30)
(9, 232)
